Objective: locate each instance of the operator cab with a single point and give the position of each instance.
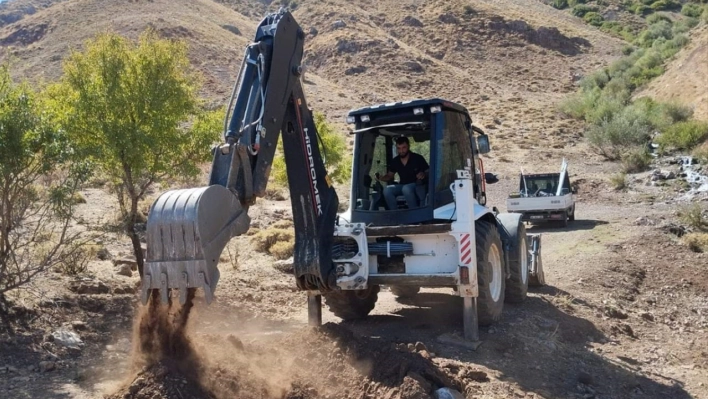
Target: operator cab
(410, 152)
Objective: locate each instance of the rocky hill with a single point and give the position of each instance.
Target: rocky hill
(508, 61)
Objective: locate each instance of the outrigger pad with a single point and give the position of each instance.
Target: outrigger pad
(186, 231)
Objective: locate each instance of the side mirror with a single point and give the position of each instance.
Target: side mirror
(490, 178)
(483, 144)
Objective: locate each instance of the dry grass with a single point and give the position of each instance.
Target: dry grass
(78, 198)
(283, 224)
(696, 242)
(77, 260)
(276, 241)
(275, 193)
(619, 181)
(282, 249)
(695, 217)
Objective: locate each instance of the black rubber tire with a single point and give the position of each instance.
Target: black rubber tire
(564, 222)
(516, 287)
(572, 215)
(488, 310)
(404, 291)
(352, 305)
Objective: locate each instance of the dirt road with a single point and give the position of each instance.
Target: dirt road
(623, 316)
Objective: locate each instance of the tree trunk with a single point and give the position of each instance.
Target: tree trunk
(134, 238)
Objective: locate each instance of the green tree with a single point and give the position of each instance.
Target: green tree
(333, 147)
(129, 107)
(37, 185)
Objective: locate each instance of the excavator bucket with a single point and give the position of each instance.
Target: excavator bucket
(186, 231)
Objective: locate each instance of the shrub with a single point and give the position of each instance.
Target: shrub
(628, 49)
(605, 108)
(470, 11)
(580, 104)
(653, 32)
(39, 177)
(618, 181)
(620, 88)
(636, 160)
(77, 259)
(282, 249)
(597, 79)
(701, 153)
(684, 25)
(657, 115)
(638, 76)
(684, 135)
(668, 48)
(263, 240)
(696, 242)
(574, 3)
(695, 217)
(593, 18)
(611, 138)
(677, 112)
(640, 9)
(581, 9)
(560, 4)
(617, 68)
(663, 5)
(655, 18)
(618, 29)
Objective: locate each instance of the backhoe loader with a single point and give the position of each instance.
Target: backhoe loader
(446, 237)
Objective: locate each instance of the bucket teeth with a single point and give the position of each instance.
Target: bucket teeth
(186, 232)
(183, 289)
(145, 288)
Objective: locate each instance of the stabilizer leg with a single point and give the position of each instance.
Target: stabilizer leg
(314, 309)
(469, 316)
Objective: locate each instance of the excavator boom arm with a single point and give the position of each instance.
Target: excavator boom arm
(188, 229)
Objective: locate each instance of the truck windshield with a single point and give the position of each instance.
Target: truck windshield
(541, 185)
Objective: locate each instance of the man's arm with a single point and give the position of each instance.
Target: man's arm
(390, 172)
(387, 177)
(425, 167)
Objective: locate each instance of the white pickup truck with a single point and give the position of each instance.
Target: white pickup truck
(544, 197)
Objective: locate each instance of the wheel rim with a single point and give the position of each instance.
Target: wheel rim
(524, 261)
(495, 286)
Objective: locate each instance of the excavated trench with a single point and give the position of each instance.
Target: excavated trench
(327, 362)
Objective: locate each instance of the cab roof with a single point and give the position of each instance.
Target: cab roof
(445, 104)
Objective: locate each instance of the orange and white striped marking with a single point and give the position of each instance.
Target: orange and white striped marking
(465, 249)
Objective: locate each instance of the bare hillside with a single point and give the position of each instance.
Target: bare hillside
(686, 77)
(216, 35)
(494, 57)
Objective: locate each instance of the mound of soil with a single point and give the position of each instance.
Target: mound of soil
(329, 362)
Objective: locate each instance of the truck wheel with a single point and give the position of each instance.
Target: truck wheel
(572, 215)
(352, 305)
(490, 273)
(404, 291)
(518, 283)
(565, 219)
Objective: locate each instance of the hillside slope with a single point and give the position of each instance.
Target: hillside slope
(686, 77)
(507, 61)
